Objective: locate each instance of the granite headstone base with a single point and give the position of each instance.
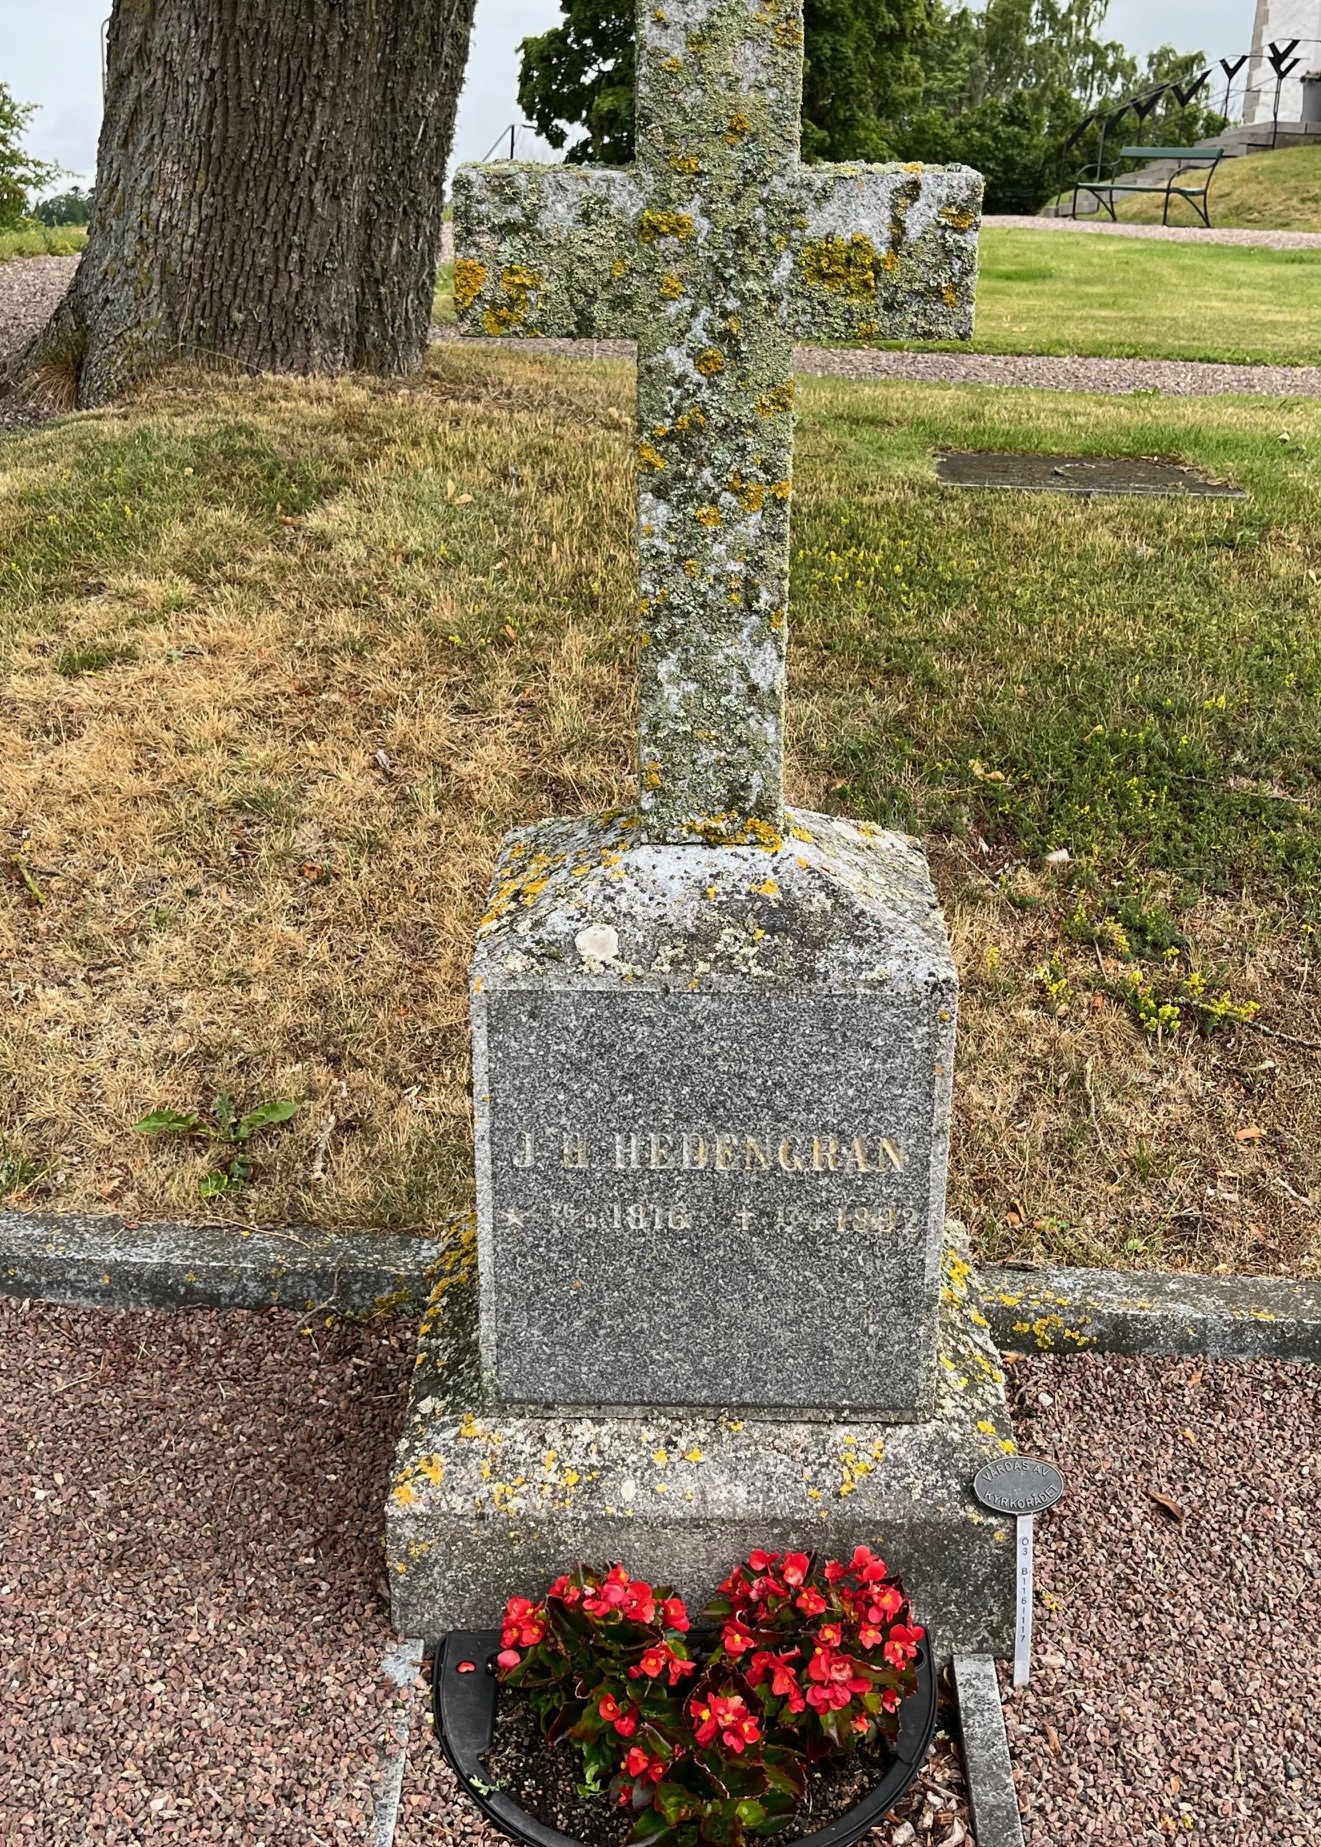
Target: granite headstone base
(485, 1503)
(711, 1101)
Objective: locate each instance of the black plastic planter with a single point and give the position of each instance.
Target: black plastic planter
(464, 1704)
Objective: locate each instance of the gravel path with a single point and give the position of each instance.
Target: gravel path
(192, 1609)
(1182, 378)
(1177, 1673)
(30, 288)
(1170, 234)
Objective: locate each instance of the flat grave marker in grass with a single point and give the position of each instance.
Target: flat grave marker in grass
(1078, 474)
(712, 1036)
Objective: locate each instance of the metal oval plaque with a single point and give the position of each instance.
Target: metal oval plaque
(1018, 1485)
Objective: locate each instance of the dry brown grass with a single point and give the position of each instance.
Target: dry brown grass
(264, 826)
(1082, 1141)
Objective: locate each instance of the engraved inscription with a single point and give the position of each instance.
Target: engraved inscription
(714, 1151)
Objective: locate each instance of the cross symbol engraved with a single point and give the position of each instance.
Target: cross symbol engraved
(716, 252)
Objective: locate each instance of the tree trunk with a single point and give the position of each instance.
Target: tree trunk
(269, 189)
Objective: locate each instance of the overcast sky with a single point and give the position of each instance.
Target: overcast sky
(51, 54)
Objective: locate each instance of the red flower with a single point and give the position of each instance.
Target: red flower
(507, 1658)
(617, 1591)
(524, 1624)
(640, 1762)
(735, 1587)
(762, 1561)
(889, 1699)
(725, 1716)
(835, 1571)
(735, 1638)
(830, 1635)
(866, 1567)
(827, 1698)
(660, 1659)
(784, 1682)
(829, 1668)
(623, 1718)
(566, 1590)
(902, 1645)
(881, 1605)
(794, 1570)
(810, 1601)
(675, 1615)
(861, 1723)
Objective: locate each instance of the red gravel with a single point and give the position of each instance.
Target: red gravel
(192, 1608)
(1176, 1688)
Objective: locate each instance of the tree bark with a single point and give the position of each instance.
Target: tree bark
(270, 185)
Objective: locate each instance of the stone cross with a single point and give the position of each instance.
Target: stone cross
(716, 251)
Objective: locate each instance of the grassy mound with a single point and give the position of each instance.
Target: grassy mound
(1274, 191)
(284, 659)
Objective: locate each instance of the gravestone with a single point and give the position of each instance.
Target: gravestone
(710, 1304)
(1079, 474)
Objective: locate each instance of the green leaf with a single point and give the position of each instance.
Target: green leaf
(675, 1802)
(167, 1122)
(265, 1116)
(649, 1826)
(751, 1812)
(223, 1111)
(214, 1186)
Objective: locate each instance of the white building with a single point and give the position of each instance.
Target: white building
(1277, 22)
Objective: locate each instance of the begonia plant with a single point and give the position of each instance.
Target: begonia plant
(808, 1662)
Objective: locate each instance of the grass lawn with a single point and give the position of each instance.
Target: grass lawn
(1279, 191)
(41, 241)
(1061, 292)
(283, 660)
(1115, 297)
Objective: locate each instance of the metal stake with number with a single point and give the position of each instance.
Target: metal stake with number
(1020, 1486)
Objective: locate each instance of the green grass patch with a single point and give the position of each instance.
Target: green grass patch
(39, 240)
(1140, 298)
(1135, 681)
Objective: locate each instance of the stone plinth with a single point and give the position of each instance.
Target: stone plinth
(711, 1090)
(486, 1503)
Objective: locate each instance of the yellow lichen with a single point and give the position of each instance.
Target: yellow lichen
(843, 266)
(469, 280)
(709, 362)
(655, 225)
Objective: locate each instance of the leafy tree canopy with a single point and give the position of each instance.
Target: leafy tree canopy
(1000, 87)
(20, 174)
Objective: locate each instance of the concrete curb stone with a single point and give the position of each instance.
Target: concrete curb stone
(986, 1766)
(1151, 1313)
(96, 1262)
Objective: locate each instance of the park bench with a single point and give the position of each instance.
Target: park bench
(1187, 161)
